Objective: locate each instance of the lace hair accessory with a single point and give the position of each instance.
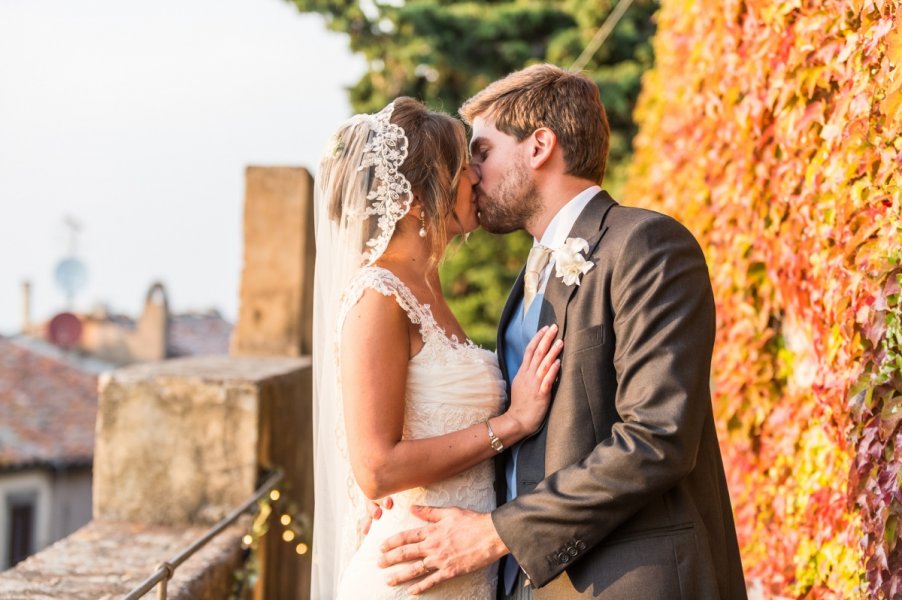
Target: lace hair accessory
(385, 152)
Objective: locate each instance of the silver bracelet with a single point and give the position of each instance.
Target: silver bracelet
(494, 440)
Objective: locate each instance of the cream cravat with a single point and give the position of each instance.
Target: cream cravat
(535, 263)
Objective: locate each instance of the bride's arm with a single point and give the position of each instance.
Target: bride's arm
(375, 350)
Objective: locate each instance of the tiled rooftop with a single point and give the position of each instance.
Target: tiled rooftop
(198, 334)
(190, 333)
(47, 409)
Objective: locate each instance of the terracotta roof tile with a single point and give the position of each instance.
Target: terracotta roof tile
(47, 409)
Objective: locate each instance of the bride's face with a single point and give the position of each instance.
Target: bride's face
(465, 206)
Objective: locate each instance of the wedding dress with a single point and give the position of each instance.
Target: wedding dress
(451, 385)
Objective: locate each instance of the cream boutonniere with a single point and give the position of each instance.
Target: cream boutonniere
(569, 264)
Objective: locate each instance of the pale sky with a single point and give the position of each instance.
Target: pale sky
(138, 119)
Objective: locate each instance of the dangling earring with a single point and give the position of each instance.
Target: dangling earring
(422, 224)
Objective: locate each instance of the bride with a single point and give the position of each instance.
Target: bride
(405, 404)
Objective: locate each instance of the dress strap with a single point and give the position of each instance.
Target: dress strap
(388, 284)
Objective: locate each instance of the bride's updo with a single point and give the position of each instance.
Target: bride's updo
(436, 154)
(436, 151)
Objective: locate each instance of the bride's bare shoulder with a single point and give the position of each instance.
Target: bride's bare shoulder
(375, 316)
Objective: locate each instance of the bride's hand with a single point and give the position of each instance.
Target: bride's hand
(374, 511)
(531, 388)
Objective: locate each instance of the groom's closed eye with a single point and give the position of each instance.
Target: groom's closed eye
(478, 149)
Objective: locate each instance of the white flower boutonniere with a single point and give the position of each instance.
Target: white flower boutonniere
(569, 264)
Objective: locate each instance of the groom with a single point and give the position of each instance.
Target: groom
(621, 493)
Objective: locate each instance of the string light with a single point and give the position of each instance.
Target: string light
(294, 528)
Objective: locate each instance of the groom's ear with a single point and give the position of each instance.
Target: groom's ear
(542, 143)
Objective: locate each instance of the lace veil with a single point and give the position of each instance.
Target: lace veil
(359, 197)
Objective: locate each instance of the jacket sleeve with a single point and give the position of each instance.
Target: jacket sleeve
(664, 330)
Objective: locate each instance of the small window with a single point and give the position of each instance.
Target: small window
(21, 519)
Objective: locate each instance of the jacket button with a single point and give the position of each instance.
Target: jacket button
(563, 557)
(580, 545)
(572, 551)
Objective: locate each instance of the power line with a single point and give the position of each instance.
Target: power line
(601, 35)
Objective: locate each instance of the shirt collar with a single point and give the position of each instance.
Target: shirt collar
(556, 233)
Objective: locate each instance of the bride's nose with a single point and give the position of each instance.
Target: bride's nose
(473, 174)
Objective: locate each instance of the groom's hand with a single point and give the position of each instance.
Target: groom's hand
(455, 542)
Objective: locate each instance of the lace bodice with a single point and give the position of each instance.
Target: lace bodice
(451, 385)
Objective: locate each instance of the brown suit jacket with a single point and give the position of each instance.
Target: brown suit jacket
(621, 492)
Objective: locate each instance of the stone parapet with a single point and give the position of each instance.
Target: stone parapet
(105, 560)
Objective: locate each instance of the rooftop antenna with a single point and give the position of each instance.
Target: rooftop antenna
(74, 229)
(71, 274)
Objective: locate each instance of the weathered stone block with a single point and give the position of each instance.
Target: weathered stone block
(179, 441)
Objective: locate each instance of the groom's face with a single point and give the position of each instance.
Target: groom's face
(507, 196)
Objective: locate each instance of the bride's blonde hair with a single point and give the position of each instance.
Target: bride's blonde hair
(436, 154)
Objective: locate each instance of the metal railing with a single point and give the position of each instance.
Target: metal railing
(167, 568)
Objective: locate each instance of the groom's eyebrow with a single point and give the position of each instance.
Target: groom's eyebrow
(474, 144)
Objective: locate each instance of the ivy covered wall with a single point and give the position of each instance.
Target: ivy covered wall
(773, 130)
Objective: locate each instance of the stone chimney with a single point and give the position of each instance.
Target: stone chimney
(26, 306)
(151, 339)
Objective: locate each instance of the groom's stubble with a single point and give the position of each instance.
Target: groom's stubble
(513, 202)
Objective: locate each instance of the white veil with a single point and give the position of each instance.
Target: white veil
(359, 197)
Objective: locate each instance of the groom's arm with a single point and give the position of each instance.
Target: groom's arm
(664, 332)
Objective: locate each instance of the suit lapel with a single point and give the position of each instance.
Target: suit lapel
(590, 227)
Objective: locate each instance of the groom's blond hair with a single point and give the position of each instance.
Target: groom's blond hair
(567, 103)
